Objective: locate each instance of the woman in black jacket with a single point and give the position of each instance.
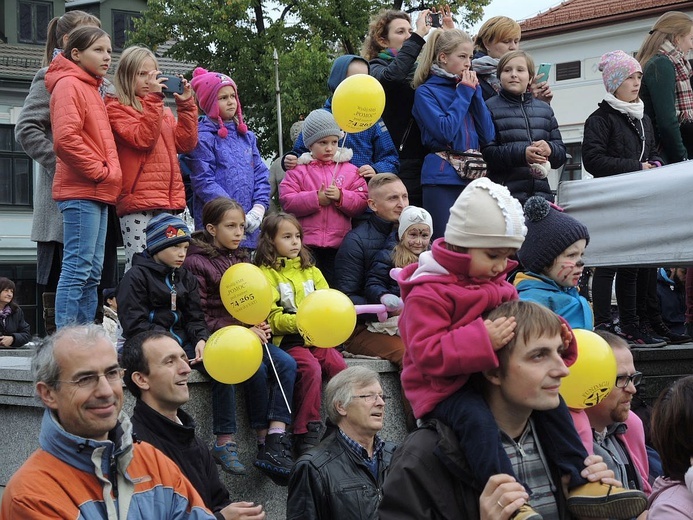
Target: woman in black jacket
(619, 138)
(14, 330)
(528, 143)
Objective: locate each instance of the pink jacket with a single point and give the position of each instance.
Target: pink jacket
(442, 326)
(633, 439)
(323, 226)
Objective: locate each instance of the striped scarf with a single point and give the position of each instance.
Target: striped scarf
(684, 91)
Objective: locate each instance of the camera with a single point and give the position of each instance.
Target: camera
(434, 19)
(172, 85)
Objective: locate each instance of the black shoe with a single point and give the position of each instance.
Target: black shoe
(274, 458)
(308, 440)
(636, 337)
(689, 328)
(647, 330)
(661, 330)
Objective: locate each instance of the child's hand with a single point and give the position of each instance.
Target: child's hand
(333, 193)
(468, 77)
(323, 199)
(263, 331)
(199, 351)
(154, 83)
(366, 171)
(544, 147)
(534, 155)
(187, 91)
(290, 162)
(500, 330)
(392, 303)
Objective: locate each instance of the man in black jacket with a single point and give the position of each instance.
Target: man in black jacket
(342, 476)
(157, 371)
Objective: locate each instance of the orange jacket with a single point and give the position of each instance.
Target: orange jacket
(148, 143)
(87, 161)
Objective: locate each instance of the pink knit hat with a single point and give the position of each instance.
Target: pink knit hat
(616, 67)
(207, 85)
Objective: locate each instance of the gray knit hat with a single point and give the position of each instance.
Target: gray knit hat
(165, 230)
(319, 124)
(486, 215)
(550, 231)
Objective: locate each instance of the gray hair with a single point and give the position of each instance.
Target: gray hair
(44, 366)
(340, 389)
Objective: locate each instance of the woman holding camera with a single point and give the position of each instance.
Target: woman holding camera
(392, 49)
(148, 139)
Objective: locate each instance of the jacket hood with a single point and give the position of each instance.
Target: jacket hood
(532, 278)
(440, 265)
(80, 452)
(662, 484)
(338, 72)
(343, 155)
(61, 67)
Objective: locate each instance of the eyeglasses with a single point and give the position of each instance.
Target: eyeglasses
(92, 380)
(372, 398)
(623, 381)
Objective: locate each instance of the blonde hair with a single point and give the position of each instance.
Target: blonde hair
(440, 42)
(666, 28)
(496, 29)
(126, 72)
(511, 56)
(379, 28)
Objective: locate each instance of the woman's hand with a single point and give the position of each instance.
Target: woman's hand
(448, 22)
(422, 27)
(541, 90)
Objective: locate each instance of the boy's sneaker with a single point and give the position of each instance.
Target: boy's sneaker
(597, 500)
(526, 513)
(310, 439)
(663, 331)
(227, 457)
(274, 458)
(636, 338)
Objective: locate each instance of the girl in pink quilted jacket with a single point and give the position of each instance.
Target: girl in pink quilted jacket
(324, 191)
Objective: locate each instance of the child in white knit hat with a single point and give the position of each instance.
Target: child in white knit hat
(446, 296)
(324, 190)
(403, 247)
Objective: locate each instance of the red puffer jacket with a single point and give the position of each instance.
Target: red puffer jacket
(87, 161)
(148, 143)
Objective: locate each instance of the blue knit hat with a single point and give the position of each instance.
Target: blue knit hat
(165, 230)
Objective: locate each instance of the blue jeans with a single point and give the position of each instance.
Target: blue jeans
(84, 230)
(263, 397)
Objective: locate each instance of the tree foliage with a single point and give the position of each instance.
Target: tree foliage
(238, 37)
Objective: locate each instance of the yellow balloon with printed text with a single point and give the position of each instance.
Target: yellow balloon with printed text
(232, 354)
(593, 375)
(358, 103)
(246, 293)
(326, 318)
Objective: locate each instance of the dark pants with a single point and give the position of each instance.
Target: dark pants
(626, 285)
(467, 413)
(437, 200)
(324, 260)
(647, 301)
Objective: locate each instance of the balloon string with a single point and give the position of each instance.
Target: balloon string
(336, 164)
(286, 401)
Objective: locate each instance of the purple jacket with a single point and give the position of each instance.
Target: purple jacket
(230, 167)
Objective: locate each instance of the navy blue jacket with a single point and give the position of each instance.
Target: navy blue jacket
(520, 120)
(379, 282)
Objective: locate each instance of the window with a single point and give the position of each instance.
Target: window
(33, 20)
(15, 171)
(568, 70)
(123, 22)
(573, 167)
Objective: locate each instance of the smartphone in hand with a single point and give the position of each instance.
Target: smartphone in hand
(543, 71)
(172, 85)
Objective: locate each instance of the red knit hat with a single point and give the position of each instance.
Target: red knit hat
(207, 85)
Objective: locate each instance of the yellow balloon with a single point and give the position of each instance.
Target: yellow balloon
(232, 354)
(246, 293)
(326, 318)
(593, 375)
(358, 103)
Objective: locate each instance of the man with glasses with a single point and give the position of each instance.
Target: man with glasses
(342, 476)
(618, 435)
(88, 465)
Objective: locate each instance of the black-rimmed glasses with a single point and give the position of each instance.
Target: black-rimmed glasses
(623, 381)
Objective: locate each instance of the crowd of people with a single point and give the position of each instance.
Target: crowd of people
(440, 213)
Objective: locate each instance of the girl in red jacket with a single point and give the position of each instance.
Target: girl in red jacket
(148, 138)
(87, 176)
(324, 191)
